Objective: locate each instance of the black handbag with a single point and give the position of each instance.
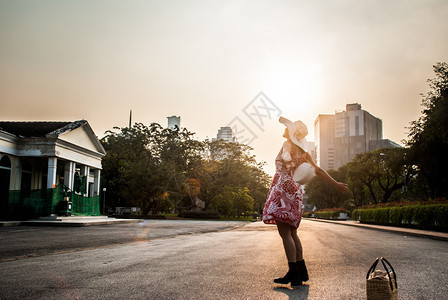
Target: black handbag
(381, 285)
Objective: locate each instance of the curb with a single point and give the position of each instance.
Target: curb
(77, 224)
(435, 235)
(67, 223)
(10, 223)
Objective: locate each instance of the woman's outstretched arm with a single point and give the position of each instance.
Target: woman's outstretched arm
(340, 186)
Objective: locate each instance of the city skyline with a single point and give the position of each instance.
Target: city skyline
(207, 61)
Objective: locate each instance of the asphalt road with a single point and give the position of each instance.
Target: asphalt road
(228, 264)
(24, 241)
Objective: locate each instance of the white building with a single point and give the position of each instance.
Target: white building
(173, 121)
(39, 160)
(226, 134)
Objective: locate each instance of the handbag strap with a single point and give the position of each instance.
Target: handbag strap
(383, 261)
(372, 268)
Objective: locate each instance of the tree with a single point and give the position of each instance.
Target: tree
(323, 195)
(223, 202)
(129, 167)
(146, 165)
(156, 168)
(243, 202)
(232, 165)
(361, 172)
(390, 170)
(180, 160)
(428, 136)
(380, 173)
(359, 191)
(233, 201)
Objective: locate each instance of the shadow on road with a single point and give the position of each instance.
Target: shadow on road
(296, 293)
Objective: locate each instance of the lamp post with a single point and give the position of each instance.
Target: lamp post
(383, 158)
(104, 199)
(405, 173)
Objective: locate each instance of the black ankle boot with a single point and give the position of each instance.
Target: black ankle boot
(290, 276)
(301, 268)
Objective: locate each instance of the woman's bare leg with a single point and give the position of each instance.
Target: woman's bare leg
(298, 244)
(300, 262)
(289, 244)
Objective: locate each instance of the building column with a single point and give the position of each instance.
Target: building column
(85, 172)
(69, 174)
(17, 174)
(96, 182)
(51, 173)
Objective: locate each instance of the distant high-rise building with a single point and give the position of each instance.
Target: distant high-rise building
(384, 143)
(324, 140)
(354, 129)
(173, 121)
(340, 137)
(226, 134)
(311, 147)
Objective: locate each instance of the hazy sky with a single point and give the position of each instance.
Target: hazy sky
(206, 61)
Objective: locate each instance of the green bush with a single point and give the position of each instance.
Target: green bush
(326, 214)
(381, 216)
(441, 219)
(331, 214)
(430, 217)
(308, 214)
(396, 216)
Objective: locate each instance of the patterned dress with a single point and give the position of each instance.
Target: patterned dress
(285, 196)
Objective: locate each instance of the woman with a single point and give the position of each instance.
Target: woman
(285, 198)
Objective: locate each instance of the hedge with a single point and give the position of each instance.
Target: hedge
(308, 214)
(331, 214)
(430, 217)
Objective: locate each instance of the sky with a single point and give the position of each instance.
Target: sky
(219, 63)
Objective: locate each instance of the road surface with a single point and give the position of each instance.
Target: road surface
(229, 264)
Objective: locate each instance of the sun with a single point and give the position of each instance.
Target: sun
(293, 82)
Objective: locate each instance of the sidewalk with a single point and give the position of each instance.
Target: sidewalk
(441, 236)
(72, 221)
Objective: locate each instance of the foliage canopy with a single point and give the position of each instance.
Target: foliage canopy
(428, 136)
(160, 169)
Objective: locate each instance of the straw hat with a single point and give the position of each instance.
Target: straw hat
(297, 132)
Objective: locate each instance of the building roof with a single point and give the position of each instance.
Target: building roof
(38, 129)
(73, 140)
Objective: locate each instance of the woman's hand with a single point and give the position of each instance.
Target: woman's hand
(342, 187)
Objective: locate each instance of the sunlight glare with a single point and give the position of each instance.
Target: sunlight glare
(296, 86)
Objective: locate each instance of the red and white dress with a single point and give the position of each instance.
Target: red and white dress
(285, 198)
